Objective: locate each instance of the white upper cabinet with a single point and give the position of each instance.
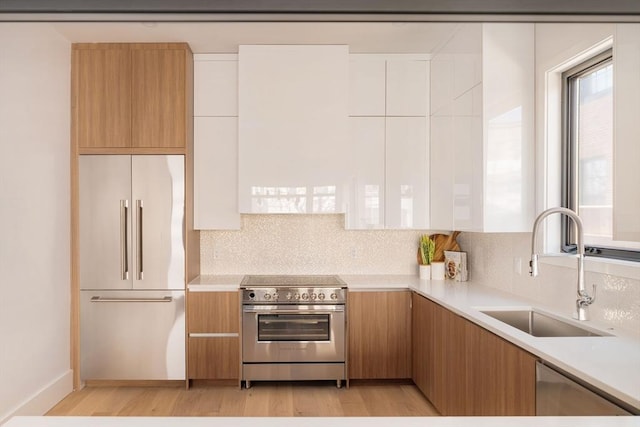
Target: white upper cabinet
(215, 140)
(389, 108)
(293, 128)
(367, 85)
(406, 172)
(215, 85)
(482, 129)
(626, 181)
(366, 208)
(407, 88)
(215, 199)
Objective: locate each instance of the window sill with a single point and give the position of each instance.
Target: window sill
(613, 267)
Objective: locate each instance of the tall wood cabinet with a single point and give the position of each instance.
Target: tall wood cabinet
(132, 97)
(214, 343)
(379, 335)
(464, 369)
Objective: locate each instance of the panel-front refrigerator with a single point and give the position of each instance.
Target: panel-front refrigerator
(132, 262)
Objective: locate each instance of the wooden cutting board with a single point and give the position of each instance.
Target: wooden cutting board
(444, 242)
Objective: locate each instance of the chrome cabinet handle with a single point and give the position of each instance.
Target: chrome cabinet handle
(139, 206)
(124, 247)
(103, 299)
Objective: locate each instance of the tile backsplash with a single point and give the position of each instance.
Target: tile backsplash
(319, 244)
(494, 259)
(307, 244)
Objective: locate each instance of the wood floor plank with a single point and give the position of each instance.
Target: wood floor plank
(263, 399)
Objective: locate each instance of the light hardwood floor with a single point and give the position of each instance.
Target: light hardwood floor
(262, 399)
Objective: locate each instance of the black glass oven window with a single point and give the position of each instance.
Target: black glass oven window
(293, 327)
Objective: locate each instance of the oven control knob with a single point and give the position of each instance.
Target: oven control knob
(334, 296)
(305, 296)
(276, 296)
(296, 296)
(252, 295)
(288, 296)
(267, 296)
(313, 296)
(321, 296)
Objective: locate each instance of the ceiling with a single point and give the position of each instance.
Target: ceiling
(224, 37)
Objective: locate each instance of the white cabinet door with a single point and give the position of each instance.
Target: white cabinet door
(407, 174)
(215, 85)
(407, 88)
(482, 130)
(367, 85)
(366, 203)
(293, 128)
(215, 169)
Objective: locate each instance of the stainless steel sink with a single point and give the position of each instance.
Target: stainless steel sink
(541, 325)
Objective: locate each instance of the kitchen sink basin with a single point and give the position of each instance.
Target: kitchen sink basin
(541, 325)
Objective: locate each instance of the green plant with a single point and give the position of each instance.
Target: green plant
(427, 249)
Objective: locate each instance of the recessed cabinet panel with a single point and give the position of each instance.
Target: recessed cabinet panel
(367, 85)
(366, 205)
(293, 128)
(407, 88)
(216, 83)
(215, 200)
(407, 174)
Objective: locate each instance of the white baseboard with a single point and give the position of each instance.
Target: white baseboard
(44, 399)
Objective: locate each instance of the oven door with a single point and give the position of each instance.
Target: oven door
(293, 333)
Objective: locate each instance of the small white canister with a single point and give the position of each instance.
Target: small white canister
(437, 271)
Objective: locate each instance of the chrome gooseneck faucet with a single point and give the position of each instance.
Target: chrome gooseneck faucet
(584, 300)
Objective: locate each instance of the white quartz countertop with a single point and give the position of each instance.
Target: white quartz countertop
(610, 363)
(323, 422)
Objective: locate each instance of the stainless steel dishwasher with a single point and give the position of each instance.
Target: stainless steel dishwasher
(557, 395)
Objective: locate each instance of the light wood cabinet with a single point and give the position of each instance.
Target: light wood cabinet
(464, 369)
(214, 343)
(101, 108)
(133, 98)
(379, 335)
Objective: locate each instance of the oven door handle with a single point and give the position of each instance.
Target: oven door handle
(269, 309)
(297, 321)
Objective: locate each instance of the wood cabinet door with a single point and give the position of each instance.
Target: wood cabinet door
(158, 97)
(215, 358)
(214, 312)
(379, 335)
(501, 376)
(101, 85)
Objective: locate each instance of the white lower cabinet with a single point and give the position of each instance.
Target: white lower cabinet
(215, 169)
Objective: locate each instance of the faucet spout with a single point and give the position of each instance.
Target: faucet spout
(584, 300)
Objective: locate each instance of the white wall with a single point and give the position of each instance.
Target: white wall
(34, 219)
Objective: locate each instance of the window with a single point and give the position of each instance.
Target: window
(588, 159)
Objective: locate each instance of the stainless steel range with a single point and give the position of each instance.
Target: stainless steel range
(293, 328)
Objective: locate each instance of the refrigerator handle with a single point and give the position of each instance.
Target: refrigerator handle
(139, 206)
(124, 247)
